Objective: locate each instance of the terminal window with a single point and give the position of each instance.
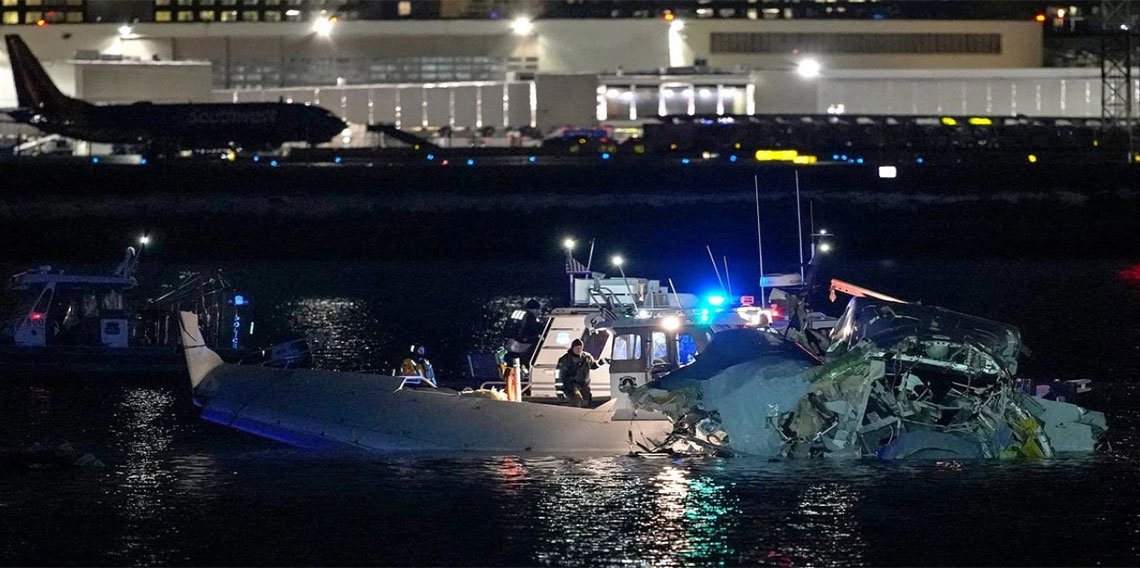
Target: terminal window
(11, 2)
(32, 17)
(855, 43)
(162, 16)
(185, 16)
(11, 17)
(74, 17)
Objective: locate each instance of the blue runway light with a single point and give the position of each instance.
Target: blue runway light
(835, 156)
(470, 162)
(732, 158)
(715, 300)
(843, 157)
(257, 158)
(684, 160)
(239, 300)
(918, 160)
(859, 161)
(142, 162)
(94, 160)
(704, 315)
(273, 163)
(336, 159)
(430, 157)
(531, 159)
(605, 155)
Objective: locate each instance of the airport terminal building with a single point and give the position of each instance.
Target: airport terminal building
(496, 67)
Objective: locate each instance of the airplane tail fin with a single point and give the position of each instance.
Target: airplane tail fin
(200, 360)
(34, 89)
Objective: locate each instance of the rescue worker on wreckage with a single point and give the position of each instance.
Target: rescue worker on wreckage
(574, 371)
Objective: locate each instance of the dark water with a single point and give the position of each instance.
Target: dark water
(179, 491)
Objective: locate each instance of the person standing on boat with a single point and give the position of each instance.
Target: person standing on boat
(574, 370)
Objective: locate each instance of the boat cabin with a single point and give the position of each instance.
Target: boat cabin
(636, 329)
(55, 308)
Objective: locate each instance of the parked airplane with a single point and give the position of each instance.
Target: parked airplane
(161, 127)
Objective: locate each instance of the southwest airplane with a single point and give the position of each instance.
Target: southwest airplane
(162, 127)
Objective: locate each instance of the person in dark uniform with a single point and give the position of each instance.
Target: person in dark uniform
(574, 370)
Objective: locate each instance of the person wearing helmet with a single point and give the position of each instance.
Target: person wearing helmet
(574, 371)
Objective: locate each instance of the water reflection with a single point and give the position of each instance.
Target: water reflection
(143, 427)
(351, 337)
(614, 511)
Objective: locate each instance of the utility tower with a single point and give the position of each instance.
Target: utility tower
(1117, 43)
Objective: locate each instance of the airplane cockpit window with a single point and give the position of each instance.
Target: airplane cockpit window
(686, 349)
(627, 347)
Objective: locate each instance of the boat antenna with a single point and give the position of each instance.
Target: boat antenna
(727, 278)
(715, 269)
(590, 259)
(759, 242)
(811, 215)
(676, 298)
(799, 226)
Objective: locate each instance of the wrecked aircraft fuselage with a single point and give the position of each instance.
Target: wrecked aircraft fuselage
(895, 381)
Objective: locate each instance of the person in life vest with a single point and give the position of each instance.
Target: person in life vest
(574, 370)
(416, 364)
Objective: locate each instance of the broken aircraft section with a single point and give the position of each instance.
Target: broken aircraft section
(892, 380)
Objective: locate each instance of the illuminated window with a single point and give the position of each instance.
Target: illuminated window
(33, 3)
(54, 17)
(186, 16)
(627, 347)
(229, 2)
(161, 2)
(229, 15)
(11, 2)
(273, 16)
(162, 16)
(249, 15)
(185, 2)
(404, 8)
(205, 2)
(74, 17)
(11, 17)
(32, 17)
(206, 15)
(272, 2)
(250, 2)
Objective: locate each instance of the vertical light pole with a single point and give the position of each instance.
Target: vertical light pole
(568, 244)
(618, 261)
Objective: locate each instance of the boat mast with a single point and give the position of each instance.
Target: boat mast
(759, 242)
(799, 226)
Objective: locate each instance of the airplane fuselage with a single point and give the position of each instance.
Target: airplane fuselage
(207, 125)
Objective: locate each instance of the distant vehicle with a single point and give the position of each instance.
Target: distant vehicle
(161, 128)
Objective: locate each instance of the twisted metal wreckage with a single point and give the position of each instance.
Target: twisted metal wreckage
(892, 379)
